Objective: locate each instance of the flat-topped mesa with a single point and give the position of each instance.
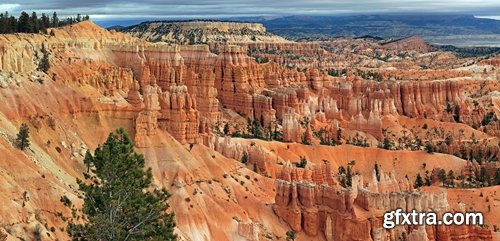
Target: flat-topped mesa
(212, 33)
(222, 26)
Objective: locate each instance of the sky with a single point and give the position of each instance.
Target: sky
(116, 10)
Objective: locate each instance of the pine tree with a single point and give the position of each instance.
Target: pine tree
(387, 144)
(442, 175)
(483, 176)
(290, 235)
(302, 163)
(256, 129)
(451, 178)
(348, 177)
(418, 181)
(55, 20)
(3, 23)
(456, 113)
(34, 25)
(341, 170)
(12, 24)
(429, 147)
(226, 129)
(119, 202)
(44, 23)
(377, 172)
(24, 23)
(244, 158)
(22, 140)
(428, 179)
(44, 64)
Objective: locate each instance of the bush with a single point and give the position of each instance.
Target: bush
(290, 235)
(302, 163)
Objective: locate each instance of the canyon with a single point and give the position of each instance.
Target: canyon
(197, 105)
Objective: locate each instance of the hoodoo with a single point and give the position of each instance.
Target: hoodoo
(256, 137)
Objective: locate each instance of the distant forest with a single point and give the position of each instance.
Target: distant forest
(33, 24)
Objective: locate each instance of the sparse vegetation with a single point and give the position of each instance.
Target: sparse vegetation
(44, 64)
(22, 140)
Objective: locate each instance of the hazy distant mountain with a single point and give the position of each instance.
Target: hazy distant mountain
(436, 28)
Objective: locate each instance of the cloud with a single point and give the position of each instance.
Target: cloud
(103, 9)
(9, 7)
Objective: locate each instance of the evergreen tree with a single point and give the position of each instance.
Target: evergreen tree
(3, 23)
(244, 158)
(448, 108)
(290, 235)
(451, 178)
(348, 177)
(44, 64)
(277, 135)
(387, 143)
(302, 163)
(24, 23)
(463, 152)
(341, 170)
(22, 140)
(119, 202)
(257, 129)
(456, 113)
(377, 172)
(429, 147)
(442, 175)
(418, 181)
(483, 176)
(255, 168)
(44, 23)
(226, 129)
(428, 179)
(55, 20)
(12, 24)
(34, 25)
(479, 156)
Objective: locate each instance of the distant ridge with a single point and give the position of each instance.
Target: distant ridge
(203, 32)
(435, 28)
